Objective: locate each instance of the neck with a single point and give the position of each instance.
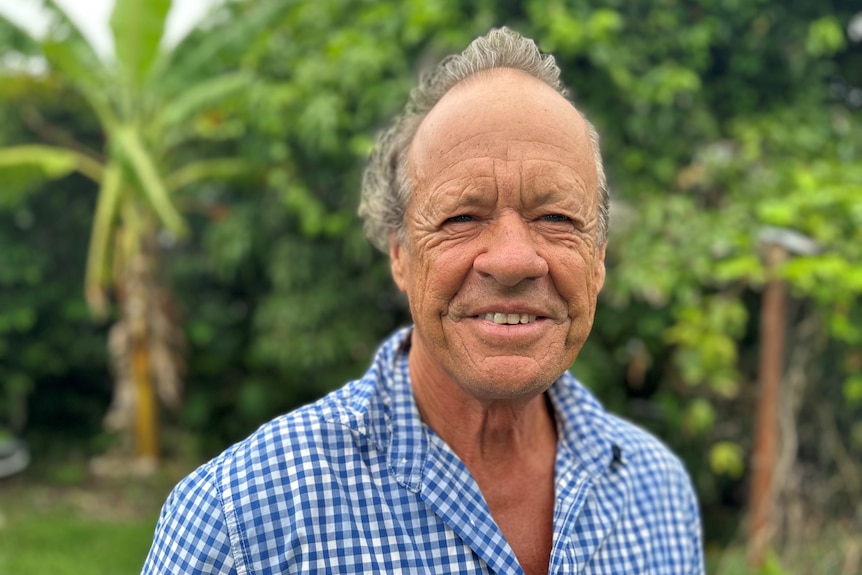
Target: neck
(483, 432)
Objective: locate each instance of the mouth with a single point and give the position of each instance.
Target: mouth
(508, 318)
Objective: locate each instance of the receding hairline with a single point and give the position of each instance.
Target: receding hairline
(582, 124)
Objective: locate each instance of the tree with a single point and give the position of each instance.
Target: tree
(147, 103)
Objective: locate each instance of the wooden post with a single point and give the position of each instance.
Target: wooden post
(770, 370)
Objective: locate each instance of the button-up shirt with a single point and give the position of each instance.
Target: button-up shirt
(357, 483)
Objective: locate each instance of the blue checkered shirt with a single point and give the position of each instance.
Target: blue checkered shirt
(356, 483)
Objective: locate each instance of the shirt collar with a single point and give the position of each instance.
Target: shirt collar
(400, 432)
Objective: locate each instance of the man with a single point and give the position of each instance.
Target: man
(467, 447)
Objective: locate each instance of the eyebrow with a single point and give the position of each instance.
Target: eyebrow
(470, 195)
(550, 195)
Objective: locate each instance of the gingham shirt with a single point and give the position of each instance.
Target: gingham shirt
(357, 483)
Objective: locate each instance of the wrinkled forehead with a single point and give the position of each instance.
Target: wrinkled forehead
(497, 111)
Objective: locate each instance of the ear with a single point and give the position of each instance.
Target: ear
(398, 262)
(599, 267)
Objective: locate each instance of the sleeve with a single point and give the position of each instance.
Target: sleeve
(191, 535)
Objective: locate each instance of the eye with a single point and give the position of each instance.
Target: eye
(556, 218)
(459, 219)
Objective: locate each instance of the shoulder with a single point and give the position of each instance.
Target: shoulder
(586, 423)
(618, 450)
(663, 501)
(658, 482)
(637, 480)
(191, 535)
(298, 442)
(235, 501)
(641, 448)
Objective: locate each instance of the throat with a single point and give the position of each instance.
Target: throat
(499, 437)
(522, 505)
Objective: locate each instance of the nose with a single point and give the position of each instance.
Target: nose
(510, 254)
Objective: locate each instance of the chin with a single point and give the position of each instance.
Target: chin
(515, 383)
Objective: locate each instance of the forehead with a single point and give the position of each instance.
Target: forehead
(503, 115)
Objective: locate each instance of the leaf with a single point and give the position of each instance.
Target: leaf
(69, 47)
(725, 458)
(50, 162)
(53, 163)
(61, 24)
(18, 39)
(214, 169)
(853, 389)
(825, 37)
(97, 255)
(137, 26)
(177, 66)
(699, 416)
(141, 163)
(75, 60)
(199, 97)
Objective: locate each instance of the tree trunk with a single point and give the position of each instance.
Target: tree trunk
(772, 325)
(140, 306)
(146, 410)
(146, 347)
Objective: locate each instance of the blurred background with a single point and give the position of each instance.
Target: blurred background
(180, 258)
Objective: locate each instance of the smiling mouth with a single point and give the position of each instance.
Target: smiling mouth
(508, 318)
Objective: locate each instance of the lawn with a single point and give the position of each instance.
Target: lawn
(65, 522)
(57, 543)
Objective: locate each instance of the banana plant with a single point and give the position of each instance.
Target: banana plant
(146, 100)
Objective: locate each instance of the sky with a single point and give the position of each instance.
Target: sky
(92, 16)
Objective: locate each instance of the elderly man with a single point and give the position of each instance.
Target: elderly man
(467, 447)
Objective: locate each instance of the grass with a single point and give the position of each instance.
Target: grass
(59, 544)
(64, 522)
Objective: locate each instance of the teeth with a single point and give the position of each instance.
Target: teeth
(509, 318)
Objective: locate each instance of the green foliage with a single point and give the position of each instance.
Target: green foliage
(145, 128)
(137, 27)
(25, 165)
(825, 37)
(137, 102)
(726, 458)
(50, 353)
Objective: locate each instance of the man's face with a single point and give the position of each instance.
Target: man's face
(500, 266)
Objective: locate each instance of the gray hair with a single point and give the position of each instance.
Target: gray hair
(386, 187)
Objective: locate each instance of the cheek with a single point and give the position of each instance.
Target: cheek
(576, 282)
(423, 286)
(444, 271)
